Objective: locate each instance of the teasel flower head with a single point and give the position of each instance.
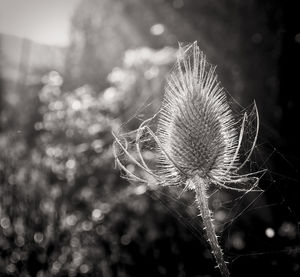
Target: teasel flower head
(196, 127)
(198, 140)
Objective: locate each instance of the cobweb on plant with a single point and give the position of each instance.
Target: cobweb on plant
(137, 153)
(231, 209)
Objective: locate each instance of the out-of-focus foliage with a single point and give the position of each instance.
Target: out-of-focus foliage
(64, 209)
(142, 79)
(103, 29)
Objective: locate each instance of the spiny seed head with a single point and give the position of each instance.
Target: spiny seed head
(196, 127)
(197, 139)
(196, 134)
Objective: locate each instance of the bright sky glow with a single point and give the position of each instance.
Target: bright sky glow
(43, 21)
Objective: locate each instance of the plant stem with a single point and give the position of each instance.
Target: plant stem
(202, 201)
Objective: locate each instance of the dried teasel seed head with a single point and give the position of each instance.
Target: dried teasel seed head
(196, 132)
(197, 139)
(196, 126)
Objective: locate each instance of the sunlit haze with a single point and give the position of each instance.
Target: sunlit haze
(43, 21)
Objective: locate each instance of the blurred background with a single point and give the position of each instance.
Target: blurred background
(72, 71)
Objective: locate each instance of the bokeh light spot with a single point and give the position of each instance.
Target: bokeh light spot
(71, 164)
(75, 242)
(237, 241)
(157, 29)
(76, 105)
(56, 267)
(220, 215)
(53, 78)
(11, 268)
(71, 220)
(87, 225)
(297, 38)
(38, 237)
(96, 214)
(288, 230)
(270, 233)
(84, 268)
(125, 240)
(19, 241)
(5, 222)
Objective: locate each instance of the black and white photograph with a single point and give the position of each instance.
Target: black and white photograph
(149, 138)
